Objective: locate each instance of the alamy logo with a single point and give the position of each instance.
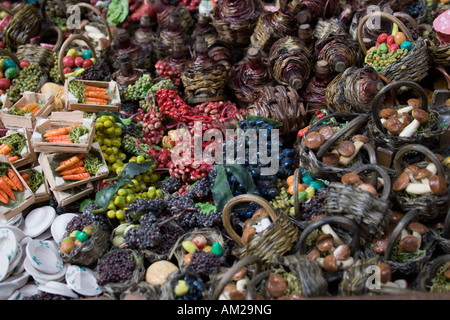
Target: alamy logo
(74, 19)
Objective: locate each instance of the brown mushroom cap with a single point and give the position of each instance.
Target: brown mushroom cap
(437, 185)
(409, 244)
(327, 132)
(413, 102)
(360, 137)
(412, 168)
(240, 274)
(346, 148)
(276, 285)
(318, 217)
(331, 159)
(330, 263)
(342, 252)
(258, 215)
(313, 255)
(380, 244)
(420, 115)
(406, 118)
(385, 272)
(422, 174)
(314, 140)
(247, 234)
(396, 217)
(388, 113)
(325, 242)
(351, 178)
(393, 125)
(368, 187)
(401, 182)
(237, 295)
(418, 227)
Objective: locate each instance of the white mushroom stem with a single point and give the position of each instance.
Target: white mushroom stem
(320, 261)
(326, 228)
(411, 178)
(224, 295)
(432, 168)
(409, 130)
(418, 237)
(383, 121)
(404, 234)
(241, 285)
(346, 160)
(345, 264)
(390, 284)
(404, 109)
(418, 189)
(425, 180)
(401, 283)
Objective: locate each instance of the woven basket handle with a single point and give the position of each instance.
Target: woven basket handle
(11, 55)
(317, 124)
(433, 270)
(97, 12)
(226, 277)
(9, 11)
(254, 283)
(60, 3)
(376, 102)
(342, 221)
(423, 150)
(297, 179)
(411, 20)
(349, 128)
(380, 14)
(446, 231)
(240, 199)
(384, 175)
(66, 44)
(403, 223)
(58, 31)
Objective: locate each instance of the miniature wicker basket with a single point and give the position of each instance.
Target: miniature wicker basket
(424, 281)
(414, 66)
(439, 53)
(443, 238)
(144, 289)
(382, 138)
(270, 244)
(412, 266)
(371, 213)
(167, 288)
(429, 206)
(89, 251)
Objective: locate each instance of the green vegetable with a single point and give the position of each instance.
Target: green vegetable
(402, 256)
(440, 283)
(36, 179)
(76, 132)
(17, 141)
(206, 207)
(77, 88)
(18, 112)
(117, 12)
(92, 162)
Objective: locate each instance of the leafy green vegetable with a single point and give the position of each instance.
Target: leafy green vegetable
(18, 112)
(17, 141)
(36, 179)
(77, 88)
(103, 197)
(221, 190)
(206, 207)
(92, 162)
(76, 132)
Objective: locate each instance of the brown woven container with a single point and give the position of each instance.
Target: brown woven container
(424, 281)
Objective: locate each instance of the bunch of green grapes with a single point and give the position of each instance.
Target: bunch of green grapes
(108, 134)
(54, 74)
(138, 90)
(143, 187)
(27, 80)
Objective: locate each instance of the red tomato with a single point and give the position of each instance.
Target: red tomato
(24, 64)
(67, 70)
(390, 40)
(382, 37)
(87, 63)
(5, 83)
(393, 47)
(68, 61)
(79, 61)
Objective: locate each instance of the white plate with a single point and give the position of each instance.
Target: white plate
(46, 235)
(58, 288)
(6, 290)
(8, 243)
(17, 232)
(19, 279)
(29, 290)
(59, 225)
(17, 258)
(44, 257)
(38, 221)
(82, 281)
(4, 266)
(16, 295)
(36, 274)
(15, 221)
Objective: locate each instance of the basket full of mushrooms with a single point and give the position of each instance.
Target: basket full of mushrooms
(396, 126)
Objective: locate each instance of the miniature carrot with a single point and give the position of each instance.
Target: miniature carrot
(5, 187)
(92, 88)
(70, 162)
(60, 137)
(11, 184)
(96, 101)
(57, 132)
(76, 165)
(30, 106)
(25, 176)
(78, 176)
(3, 197)
(73, 171)
(5, 149)
(14, 178)
(96, 94)
(13, 158)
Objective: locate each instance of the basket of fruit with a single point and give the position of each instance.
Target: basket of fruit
(74, 58)
(410, 245)
(396, 56)
(183, 284)
(393, 127)
(435, 276)
(266, 234)
(361, 201)
(332, 146)
(421, 185)
(230, 283)
(84, 241)
(332, 242)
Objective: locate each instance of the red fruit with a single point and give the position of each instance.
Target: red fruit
(87, 63)
(390, 40)
(2, 45)
(377, 44)
(393, 47)
(382, 37)
(68, 61)
(6, 4)
(79, 61)
(24, 64)
(67, 70)
(5, 83)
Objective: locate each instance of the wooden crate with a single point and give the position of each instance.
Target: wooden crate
(72, 104)
(30, 156)
(9, 211)
(58, 184)
(42, 194)
(28, 121)
(62, 119)
(66, 197)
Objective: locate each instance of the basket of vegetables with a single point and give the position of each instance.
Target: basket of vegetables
(266, 234)
(397, 55)
(17, 148)
(421, 185)
(34, 178)
(92, 96)
(393, 127)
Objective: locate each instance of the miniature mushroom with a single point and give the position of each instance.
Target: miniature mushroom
(384, 272)
(346, 148)
(409, 244)
(418, 229)
(413, 102)
(331, 159)
(380, 244)
(314, 140)
(422, 174)
(394, 126)
(437, 185)
(388, 113)
(351, 178)
(401, 182)
(418, 189)
(326, 228)
(325, 242)
(358, 142)
(276, 285)
(342, 252)
(313, 255)
(329, 263)
(406, 119)
(420, 116)
(247, 234)
(240, 274)
(368, 187)
(327, 132)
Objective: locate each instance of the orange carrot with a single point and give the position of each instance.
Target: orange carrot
(5, 149)
(91, 88)
(73, 171)
(78, 176)
(14, 178)
(11, 184)
(13, 158)
(96, 94)
(96, 101)
(70, 162)
(3, 197)
(60, 137)
(25, 175)
(57, 132)
(76, 165)
(30, 106)
(27, 182)
(5, 187)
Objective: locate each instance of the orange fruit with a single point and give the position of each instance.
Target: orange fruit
(67, 246)
(187, 258)
(290, 180)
